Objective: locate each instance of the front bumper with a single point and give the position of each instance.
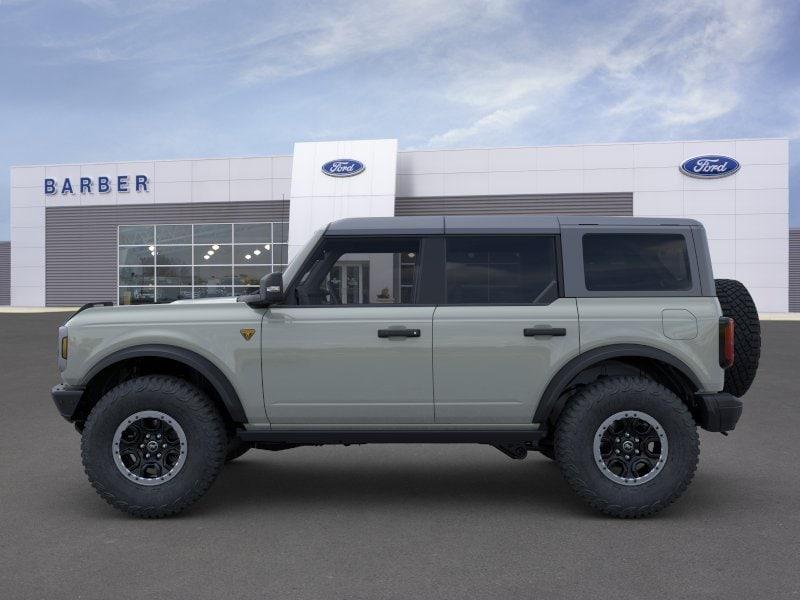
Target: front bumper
(717, 412)
(67, 400)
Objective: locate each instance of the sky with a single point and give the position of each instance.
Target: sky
(99, 80)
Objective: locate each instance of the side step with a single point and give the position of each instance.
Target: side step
(494, 436)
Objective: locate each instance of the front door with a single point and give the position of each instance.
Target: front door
(351, 346)
(502, 331)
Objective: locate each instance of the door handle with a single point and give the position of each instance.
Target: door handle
(401, 333)
(544, 331)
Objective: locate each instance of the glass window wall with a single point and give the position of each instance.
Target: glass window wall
(164, 263)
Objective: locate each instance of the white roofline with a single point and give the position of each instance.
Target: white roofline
(144, 160)
(118, 162)
(635, 143)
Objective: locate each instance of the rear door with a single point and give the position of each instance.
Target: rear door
(503, 330)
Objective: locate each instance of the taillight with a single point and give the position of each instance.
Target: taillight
(726, 326)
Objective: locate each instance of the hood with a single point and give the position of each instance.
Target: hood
(206, 300)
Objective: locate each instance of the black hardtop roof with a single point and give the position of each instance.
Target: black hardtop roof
(432, 225)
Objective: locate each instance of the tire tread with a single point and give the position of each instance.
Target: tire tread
(578, 410)
(202, 409)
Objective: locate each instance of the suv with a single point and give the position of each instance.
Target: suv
(602, 343)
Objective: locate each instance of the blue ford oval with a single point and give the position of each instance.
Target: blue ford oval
(710, 166)
(343, 167)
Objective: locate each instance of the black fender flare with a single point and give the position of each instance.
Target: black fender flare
(202, 365)
(548, 403)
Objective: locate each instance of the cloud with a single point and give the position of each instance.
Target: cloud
(303, 41)
(672, 64)
(498, 120)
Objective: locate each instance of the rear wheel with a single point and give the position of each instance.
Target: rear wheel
(627, 445)
(546, 448)
(153, 445)
(736, 302)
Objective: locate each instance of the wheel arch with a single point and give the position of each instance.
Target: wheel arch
(155, 358)
(661, 365)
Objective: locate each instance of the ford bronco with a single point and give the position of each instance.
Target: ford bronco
(602, 343)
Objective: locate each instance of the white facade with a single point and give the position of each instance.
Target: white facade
(318, 199)
(745, 214)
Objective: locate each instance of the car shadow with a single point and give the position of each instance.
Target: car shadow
(271, 482)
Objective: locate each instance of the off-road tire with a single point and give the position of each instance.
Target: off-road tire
(579, 423)
(737, 303)
(235, 449)
(206, 443)
(546, 448)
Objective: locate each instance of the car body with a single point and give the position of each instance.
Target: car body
(430, 329)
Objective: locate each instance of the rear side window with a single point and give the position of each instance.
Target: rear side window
(637, 262)
(501, 270)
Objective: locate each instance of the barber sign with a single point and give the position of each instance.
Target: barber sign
(710, 166)
(343, 167)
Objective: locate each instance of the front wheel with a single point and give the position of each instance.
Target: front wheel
(153, 445)
(627, 445)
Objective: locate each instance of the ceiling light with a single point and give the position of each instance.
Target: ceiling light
(151, 248)
(152, 253)
(211, 253)
(256, 251)
(266, 246)
(206, 257)
(215, 247)
(247, 257)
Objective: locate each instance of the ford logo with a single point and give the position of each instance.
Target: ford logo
(710, 166)
(343, 167)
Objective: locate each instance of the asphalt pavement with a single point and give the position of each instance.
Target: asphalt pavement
(396, 521)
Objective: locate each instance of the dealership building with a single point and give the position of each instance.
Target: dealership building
(160, 230)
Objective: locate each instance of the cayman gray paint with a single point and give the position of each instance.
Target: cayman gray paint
(326, 365)
(607, 321)
(211, 330)
(486, 370)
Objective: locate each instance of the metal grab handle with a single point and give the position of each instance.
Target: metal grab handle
(404, 333)
(544, 331)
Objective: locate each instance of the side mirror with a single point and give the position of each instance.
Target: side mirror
(270, 292)
(272, 288)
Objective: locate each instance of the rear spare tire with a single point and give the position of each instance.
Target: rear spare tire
(737, 304)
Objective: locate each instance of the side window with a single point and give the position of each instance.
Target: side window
(637, 262)
(501, 270)
(361, 271)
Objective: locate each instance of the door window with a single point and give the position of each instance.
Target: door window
(501, 270)
(360, 271)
